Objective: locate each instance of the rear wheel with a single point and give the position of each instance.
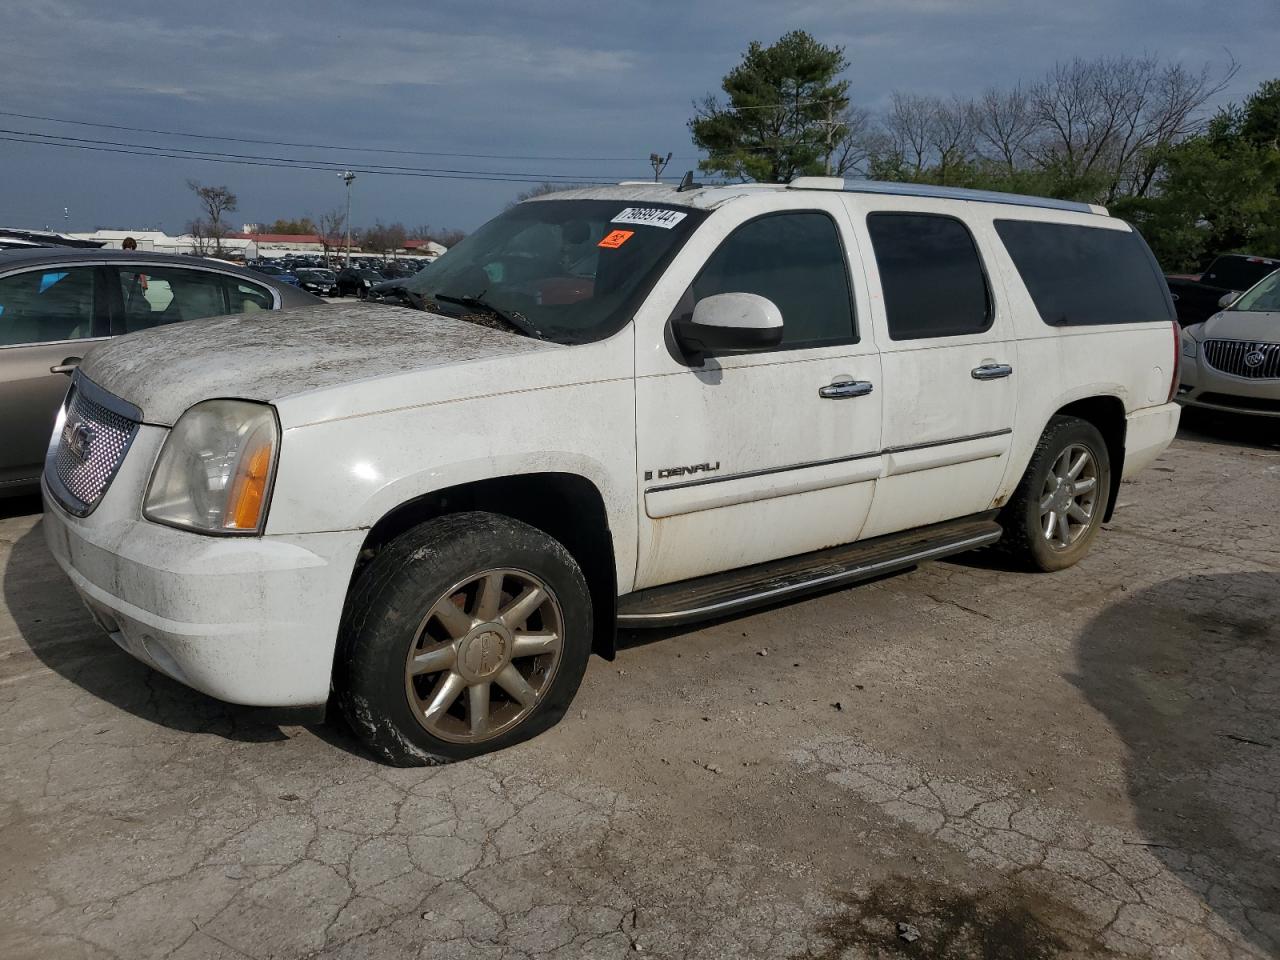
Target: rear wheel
(465, 635)
(1059, 505)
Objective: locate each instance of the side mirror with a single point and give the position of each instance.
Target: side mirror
(1227, 299)
(729, 323)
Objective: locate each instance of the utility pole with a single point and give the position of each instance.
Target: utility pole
(659, 163)
(830, 128)
(347, 177)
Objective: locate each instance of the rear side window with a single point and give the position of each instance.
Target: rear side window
(794, 259)
(156, 296)
(48, 305)
(932, 277)
(245, 297)
(1086, 275)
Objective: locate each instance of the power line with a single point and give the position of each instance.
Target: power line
(476, 175)
(313, 146)
(326, 164)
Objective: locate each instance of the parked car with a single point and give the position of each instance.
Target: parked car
(279, 274)
(1198, 296)
(323, 283)
(738, 395)
(357, 281)
(1231, 362)
(57, 302)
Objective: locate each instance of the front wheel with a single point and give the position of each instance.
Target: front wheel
(465, 635)
(1058, 507)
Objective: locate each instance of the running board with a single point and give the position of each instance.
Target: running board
(734, 591)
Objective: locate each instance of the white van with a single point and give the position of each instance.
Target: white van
(621, 406)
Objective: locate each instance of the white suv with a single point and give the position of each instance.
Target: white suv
(626, 406)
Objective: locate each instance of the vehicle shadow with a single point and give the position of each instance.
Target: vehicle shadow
(1236, 430)
(1188, 673)
(58, 630)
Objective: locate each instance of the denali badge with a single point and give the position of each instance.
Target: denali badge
(667, 472)
(1254, 358)
(76, 437)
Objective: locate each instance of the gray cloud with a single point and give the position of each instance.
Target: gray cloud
(569, 78)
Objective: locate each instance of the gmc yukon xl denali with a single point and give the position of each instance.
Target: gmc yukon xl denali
(612, 407)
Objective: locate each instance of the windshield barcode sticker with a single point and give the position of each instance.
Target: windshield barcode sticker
(650, 217)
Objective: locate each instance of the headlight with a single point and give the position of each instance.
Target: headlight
(215, 469)
(1188, 344)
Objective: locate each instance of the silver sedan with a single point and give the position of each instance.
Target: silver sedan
(1231, 362)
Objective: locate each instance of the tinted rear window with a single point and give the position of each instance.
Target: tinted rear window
(1086, 275)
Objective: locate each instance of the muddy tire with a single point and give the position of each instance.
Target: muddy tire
(1057, 510)
(465, 635)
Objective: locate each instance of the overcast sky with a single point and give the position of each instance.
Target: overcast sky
(525, 79)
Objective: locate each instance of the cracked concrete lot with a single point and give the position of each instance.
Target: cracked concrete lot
(1082, 764)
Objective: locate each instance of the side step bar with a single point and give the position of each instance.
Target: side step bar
(722, 594)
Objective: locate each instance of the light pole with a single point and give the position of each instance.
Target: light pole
(347, 177)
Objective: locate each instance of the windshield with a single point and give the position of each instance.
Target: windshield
(315, 274)
(572, 269)
(1238, 273)
(1263, 298)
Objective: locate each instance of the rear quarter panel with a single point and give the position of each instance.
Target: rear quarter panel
(1130, 362)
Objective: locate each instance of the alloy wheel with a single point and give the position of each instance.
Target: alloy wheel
(1069, 497)
(496, 637)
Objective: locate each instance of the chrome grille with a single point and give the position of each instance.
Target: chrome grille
(1244, 358)
(95, 435)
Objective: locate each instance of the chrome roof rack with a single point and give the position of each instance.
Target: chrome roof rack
(848, 185)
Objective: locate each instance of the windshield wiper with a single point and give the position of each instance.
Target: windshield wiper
(516, 320)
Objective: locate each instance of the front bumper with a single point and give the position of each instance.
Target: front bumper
(250, 620)
(1203, 386)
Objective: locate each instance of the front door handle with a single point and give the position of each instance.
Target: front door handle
(67, 366)
(844, 389)
(992, 371)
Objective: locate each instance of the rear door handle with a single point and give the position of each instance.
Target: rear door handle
(992, 371)
(845, 389)
(67, 366)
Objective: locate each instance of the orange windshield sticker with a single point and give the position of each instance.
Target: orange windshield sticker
(616, 239)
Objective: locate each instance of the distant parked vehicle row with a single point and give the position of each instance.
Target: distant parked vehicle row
(1198, 296)
(57, 302)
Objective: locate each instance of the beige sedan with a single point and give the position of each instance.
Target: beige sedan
(1231, 362)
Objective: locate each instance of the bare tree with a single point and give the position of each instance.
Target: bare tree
(909, 126)
(395, 236)
(200, 240)
(216, 201)
(858, 143)
(1003, 123)
(950, 133)
(332, 223)
(449, 238)
(1106, 120)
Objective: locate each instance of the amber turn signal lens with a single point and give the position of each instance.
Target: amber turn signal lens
(249, 488)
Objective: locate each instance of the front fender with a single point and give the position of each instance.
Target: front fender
(348, 474)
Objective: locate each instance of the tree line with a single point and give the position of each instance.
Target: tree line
(210, 228)
(1132, 133)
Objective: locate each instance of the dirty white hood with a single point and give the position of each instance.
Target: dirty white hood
(272, 356)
